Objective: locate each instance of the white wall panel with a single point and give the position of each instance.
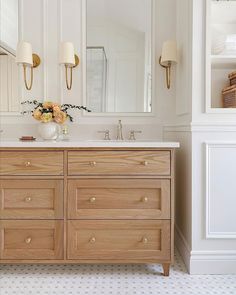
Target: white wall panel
(220, 190)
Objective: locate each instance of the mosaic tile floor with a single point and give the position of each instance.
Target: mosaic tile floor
(110, 280)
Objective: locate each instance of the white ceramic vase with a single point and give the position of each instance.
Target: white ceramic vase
(48, 131)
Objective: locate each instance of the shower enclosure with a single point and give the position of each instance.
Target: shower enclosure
(96, 78)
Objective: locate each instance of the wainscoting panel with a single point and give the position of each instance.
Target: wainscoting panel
(220, 190)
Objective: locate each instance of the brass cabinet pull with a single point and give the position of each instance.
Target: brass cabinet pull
(93, 164)
(28, 240)
(92, 240)
(92, 200)
(144, 163)
(27, 164)
(144, 240)
(28, 199)
(144, 199)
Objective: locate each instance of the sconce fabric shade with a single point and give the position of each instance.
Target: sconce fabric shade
(67, 54)
(24, 54)
(169, 52)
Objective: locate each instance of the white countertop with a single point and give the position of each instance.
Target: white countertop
(88, 144)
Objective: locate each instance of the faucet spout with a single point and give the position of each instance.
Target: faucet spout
(119, 131)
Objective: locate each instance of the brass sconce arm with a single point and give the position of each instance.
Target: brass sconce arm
(36, 63)
(168, 72)
(69, 81)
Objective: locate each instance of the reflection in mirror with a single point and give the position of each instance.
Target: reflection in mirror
(9, 98)
(119, 56)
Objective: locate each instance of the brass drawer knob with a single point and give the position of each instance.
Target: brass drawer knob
(93, 164)
(92, 240)
(27, 164)
(28, 199)
(144, 240)
(92, 200)
(144, 199)
(28, 240)
(144, 163)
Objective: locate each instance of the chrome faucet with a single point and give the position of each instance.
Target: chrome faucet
(119, 131)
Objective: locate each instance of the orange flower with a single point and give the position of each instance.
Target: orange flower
(60, 117)
(48, 105)
(37, 114)
(56, 108)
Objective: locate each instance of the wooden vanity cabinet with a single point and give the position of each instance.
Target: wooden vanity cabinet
(87, 205)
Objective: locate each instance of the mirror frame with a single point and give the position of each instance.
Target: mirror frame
(84, 68)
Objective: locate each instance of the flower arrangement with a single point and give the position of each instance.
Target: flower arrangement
(51, 112)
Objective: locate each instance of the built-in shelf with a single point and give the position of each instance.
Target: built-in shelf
(220, 31)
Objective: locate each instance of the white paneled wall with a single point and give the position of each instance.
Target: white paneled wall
(205, 187)
(220, 190)
(9, 98)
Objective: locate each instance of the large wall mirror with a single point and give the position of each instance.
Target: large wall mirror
(119, 56)
(117, 62)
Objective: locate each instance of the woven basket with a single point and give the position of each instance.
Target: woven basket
(232, 78)
(229, 97)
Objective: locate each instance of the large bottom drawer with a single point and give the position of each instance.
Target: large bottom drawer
(31, 239)
(119, 239)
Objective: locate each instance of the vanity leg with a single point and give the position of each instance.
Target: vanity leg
(166, 269)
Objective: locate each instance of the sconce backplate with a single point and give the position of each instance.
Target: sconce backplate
(76, 61)
(36, 60)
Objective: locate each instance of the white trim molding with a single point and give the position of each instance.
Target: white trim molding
(201, 127)
(183, 247)
(210, 234)
(213, 262)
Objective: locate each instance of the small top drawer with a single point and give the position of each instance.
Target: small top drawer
(31, 163)
(119, 162)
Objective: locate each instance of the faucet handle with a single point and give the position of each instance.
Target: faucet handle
(106, 134)
(132, 134)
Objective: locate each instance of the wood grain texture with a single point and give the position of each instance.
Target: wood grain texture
(31, 163)
(119, 199)
(119, 219)
(31, 199)
(116, 239)
(119, 162)
(31, 239)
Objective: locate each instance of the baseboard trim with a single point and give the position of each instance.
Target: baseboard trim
(183, 247)
(205, 262)
(213, 262)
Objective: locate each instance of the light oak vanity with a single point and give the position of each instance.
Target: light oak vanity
(87, 204)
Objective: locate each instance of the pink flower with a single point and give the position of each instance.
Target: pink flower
(60, 117)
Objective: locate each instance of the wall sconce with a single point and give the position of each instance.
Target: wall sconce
(68, 58)
(25, 57)
(168, 56)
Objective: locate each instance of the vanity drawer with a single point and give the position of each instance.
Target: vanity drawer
(119, 162)
(24, 199)
(113, 239)
(119, 199)
(31, 163)
(31, 239)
